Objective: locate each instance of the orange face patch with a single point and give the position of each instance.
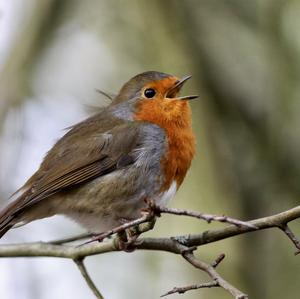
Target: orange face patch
(174, 116)
(162, 86)
(161, 109)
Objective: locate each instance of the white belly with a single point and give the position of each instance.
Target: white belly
(166, 196)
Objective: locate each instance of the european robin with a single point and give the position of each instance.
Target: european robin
(104, 168)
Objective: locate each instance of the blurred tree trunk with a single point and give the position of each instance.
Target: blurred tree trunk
(31, 36)
(238, 52)
(243, 56)
(24, 50)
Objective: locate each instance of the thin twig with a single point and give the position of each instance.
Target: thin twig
(188, 255)
(145, 218)
(285, 228)
(207, 217)
(237, 294)
(183, 245)
(218, 260)
(182, 290)
(71, 239)
(87, 278)
(162, 244)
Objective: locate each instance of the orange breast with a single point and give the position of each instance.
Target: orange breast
(179, 156)
(175, 117)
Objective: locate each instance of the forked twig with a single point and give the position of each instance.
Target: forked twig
(182, 245)
(285, 228)
(182, 290)
(152, 211)
(87, 278)
(145, 218)
(237, 294)
(207, 217)
(211, 284)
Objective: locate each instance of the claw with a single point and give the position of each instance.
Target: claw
(125, 241)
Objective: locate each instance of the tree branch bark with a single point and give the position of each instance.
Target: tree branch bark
(182, 245)
(87, 278)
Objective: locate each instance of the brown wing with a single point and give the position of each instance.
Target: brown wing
(80, 156)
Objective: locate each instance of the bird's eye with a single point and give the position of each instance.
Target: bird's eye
(149, 93)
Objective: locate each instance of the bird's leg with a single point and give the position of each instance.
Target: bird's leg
(127, 238)
(130, 226)
(124, 240)
(149, 210)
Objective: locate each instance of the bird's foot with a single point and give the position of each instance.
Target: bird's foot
(126, 240)
(132, 228)
(152, 208)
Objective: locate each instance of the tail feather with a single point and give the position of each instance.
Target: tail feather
(5, 229)
(6, 220)
(8, 216)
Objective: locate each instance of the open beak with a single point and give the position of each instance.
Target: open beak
(176, 89)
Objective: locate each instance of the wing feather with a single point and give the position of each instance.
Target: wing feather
(72, 162)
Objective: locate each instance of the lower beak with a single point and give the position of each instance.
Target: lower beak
(176, 89)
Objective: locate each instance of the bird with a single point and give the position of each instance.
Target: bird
(105, 168)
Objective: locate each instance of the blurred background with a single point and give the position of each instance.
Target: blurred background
(245, 60)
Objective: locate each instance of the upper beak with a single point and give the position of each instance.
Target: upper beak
(176, 89)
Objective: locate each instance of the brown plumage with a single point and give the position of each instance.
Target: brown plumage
(102, 169)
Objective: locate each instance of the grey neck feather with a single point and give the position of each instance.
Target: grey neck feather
(124, 110)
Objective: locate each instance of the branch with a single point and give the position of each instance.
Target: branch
(182, 245)
(182, 290)
(214, 283)
(218, 260)
(275, 221)
(71, 239)
(149, 215)
(144, 218)
(87, 278)
(207, 217)
(285, 228)
(210, 270)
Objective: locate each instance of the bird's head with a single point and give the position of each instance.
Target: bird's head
(155, 97)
